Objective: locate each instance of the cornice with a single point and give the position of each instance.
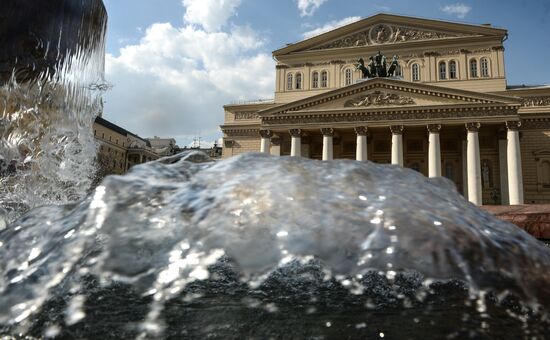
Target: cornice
(237, 131)
(389, 115)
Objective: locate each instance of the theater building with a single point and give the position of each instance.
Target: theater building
(447, 110)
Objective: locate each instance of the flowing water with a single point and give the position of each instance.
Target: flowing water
(259, 246)
(51, 74)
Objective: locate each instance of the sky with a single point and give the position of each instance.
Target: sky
(173, 64)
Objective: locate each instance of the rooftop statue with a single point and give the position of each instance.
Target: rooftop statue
(378, 66)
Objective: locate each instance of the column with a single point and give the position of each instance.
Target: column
(503, 167)
(296, 144)
(474, 166)
(361, 149)
(276, 146)
(515, 176)
(328, 152)
(434, 154)
(266, 141)
(397, 145)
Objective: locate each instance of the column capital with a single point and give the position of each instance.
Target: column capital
(513, 125)
(266, 133)
(295, 132)
(328, 132)
(361, 130)
(397, 129)
(473, 126)
(434, 128)
(276, 141)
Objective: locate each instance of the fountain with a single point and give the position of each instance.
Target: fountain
(51, 76)
(250, 247)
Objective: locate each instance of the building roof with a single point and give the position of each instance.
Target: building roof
(104, 122)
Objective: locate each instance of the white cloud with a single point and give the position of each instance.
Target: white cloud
(212, 15)
(330, 26)
(308, 7)
(174, 82)
(458, 9)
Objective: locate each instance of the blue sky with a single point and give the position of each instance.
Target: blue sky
(174, 63)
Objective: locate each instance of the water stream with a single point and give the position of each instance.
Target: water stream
(51, 78)
(259, 245)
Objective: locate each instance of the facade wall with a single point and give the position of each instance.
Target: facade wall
(242, 145)
(535, 150)
(428, 60)
(112, 149)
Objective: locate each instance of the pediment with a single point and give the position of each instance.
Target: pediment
(388, 33)
(384, 93)
(386, 29)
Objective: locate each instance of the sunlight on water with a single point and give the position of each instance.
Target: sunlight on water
(358, 237)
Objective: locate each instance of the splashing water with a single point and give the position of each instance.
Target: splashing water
(190, 247)
(51, 76)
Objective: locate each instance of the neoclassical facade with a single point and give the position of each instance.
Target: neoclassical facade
(448, 111)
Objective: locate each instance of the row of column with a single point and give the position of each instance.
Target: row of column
(473, 161)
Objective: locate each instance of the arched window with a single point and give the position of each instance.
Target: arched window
(415, 72)
(289, 81)
(442, 70)
(473, 68)
(315, 80)
(348, 76)
(484, 64)
(298, 81)
(452, 70)
(324, 79)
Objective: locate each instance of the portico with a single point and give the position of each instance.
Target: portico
(403, 124)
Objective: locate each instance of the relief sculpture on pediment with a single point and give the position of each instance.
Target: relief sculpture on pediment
(379, 98)
(536, 101)
(386, 34)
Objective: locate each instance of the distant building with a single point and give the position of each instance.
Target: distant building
(164, 146)
(119, 149)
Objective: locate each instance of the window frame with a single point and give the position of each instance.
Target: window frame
(415, 72)
(298, 81)
(315, 80)
(453, 69)
(473, 67)
(348, 77)
(442, 68)
(324, 79)
(289, 81)
(484, 61)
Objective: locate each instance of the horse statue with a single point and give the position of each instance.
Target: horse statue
(393, 67)
(361, 66)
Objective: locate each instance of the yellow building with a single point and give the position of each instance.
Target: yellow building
(119, 149)
(447, 110)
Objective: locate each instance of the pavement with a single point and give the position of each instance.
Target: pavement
(533, 218)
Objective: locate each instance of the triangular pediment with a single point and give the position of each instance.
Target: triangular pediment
(387, 29)
(385, 93)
